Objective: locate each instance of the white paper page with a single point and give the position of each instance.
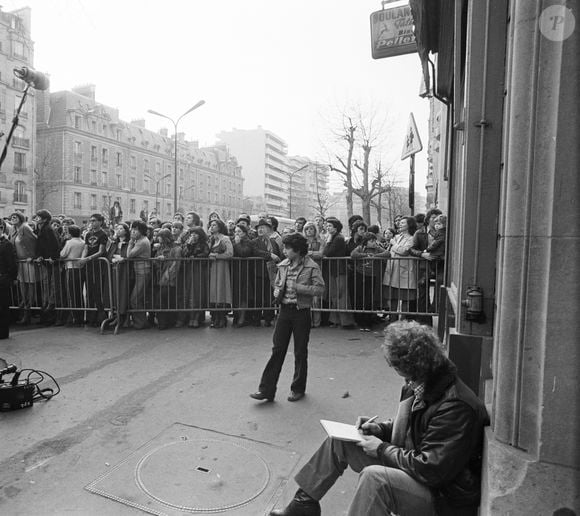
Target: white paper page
(341, 431)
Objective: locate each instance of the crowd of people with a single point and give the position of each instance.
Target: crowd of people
(168, 273)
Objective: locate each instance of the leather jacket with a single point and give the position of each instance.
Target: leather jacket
(444, 443)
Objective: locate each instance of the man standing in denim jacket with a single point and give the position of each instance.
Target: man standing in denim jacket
(298, 280)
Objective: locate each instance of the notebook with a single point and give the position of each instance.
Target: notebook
(341, 431)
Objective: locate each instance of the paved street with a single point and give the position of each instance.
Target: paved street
(119, 392)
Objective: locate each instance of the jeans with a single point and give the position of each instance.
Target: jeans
(380, 490)
(139, 299)
(291, 321)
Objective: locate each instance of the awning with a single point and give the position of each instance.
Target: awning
(434, 33)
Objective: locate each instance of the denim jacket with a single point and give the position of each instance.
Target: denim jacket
(309, 282)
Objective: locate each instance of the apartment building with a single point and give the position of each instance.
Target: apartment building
(263, 157)
(17, 170)
(88, 160)
(308, 187)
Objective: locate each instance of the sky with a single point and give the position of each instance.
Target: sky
(291, 67)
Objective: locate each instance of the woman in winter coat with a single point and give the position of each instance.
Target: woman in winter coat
(167, 261)
(243, 274)
(315, 246)
(400, 278)
(334, 272)
(195, 273)
(24, 241)
(220, 281)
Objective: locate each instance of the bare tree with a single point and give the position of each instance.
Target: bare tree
(346, 134)
(360, 136)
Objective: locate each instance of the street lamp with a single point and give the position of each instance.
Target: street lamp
(291, 177)
(175, 122)
(157, 189)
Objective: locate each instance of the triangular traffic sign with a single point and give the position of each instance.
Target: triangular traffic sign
(412, 143)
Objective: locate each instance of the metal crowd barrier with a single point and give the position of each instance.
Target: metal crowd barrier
(76, 292)
(182, 290)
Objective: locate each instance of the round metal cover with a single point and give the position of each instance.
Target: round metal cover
(202, 475)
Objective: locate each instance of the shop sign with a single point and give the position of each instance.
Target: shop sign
(392, 32)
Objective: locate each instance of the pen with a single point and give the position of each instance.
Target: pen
(368, 421)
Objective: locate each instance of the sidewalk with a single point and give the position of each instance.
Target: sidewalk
(118, 392)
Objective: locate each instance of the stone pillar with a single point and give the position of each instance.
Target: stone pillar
(532, 460)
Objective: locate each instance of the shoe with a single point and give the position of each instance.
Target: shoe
(267, 324)
(295, 396)
(179, 324)
(301, 505)
(260, 396)
(194, 324)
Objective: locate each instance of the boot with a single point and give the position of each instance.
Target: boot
(301, 505)
(25, 320)
(241, 322)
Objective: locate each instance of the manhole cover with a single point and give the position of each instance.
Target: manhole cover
(191, 470)
(202, 475)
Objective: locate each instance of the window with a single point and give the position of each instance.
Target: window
(104, 178)
(167, 188)
(77, 200)
(132, 206)
(133, 162)
(180, 173)
(19, 162)
(78, 121)
(119, 161)
(105, 201)
(94, 126)
(77, 175)
(118, 135)
(146, 166)
(93, 153)
(78, 150)
(20, 191)
(93, 201)
(2, 101)
(93, 176)
(119, 181)
(169, 211)
(146, 184)
(18, 49)
(157, 167)
(105, 156)
(132, 184)
(146, 206)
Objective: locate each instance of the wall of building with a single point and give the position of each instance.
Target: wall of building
(513, 189)
(263, 157)
(17, 172)
(88, 159)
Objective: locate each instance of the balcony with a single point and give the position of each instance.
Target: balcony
(23, 143)
(20, 198)
(78, 156)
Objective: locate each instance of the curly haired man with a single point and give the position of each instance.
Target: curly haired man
(427, 462)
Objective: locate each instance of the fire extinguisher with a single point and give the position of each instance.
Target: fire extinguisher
(473, 303)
